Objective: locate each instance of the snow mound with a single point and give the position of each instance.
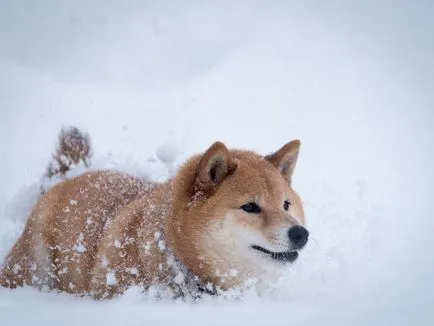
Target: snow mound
(167, 153)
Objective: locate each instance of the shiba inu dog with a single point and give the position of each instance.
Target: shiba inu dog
(227, 219)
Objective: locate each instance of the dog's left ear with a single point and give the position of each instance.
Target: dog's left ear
(214, 166)
(285, 158)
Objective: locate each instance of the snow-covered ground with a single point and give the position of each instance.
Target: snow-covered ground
(353, 80)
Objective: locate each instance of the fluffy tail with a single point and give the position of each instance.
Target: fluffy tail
(73, 147)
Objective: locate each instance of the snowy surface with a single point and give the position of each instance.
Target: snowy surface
(154, 82)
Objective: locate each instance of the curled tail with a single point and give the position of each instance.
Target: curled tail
(73, 147)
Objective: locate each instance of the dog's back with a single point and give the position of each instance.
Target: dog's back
(68, 221)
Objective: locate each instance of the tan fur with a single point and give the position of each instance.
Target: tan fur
(102, 232)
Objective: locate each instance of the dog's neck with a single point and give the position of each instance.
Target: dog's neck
(179, 280)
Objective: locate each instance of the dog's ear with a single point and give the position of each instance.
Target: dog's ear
(214, 166)
(285, 158)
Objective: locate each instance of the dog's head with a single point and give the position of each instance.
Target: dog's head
(236, 216)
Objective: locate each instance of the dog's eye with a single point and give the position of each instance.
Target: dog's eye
(251, 208)
(286, 205)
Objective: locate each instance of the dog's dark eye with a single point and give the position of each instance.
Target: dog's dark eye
(251, 208)
(286, 205)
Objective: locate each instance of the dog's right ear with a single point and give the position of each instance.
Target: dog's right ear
(214, 166)
(285, 159)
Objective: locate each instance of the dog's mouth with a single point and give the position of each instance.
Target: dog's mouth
(283, 256)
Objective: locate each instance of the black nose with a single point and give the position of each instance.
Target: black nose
(298, 236)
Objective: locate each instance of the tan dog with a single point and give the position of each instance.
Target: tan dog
(229, 218)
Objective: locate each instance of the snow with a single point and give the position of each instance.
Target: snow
(179, 278)
(161, 245)
(79, 246)
(167, 153)
(111, 278)
(154, 83)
